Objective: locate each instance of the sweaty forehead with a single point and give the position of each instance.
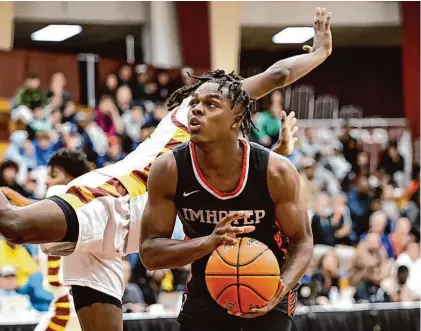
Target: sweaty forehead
(211, 89)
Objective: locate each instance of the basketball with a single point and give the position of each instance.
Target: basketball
(242, 276)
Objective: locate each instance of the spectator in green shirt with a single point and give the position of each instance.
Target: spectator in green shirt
(268, 123)
(30, 94)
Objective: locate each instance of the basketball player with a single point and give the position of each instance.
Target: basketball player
(221, 187)
(64, 166)
(97, 220)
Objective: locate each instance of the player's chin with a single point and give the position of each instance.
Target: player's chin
(197, 138)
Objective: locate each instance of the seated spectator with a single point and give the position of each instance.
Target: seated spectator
(125, 76)
(133, 120)
(30, 94)
(18, 257)
(108, 118)
(369, 266)
(393, 286)
(411, 211)
(308, 189)
(45, 148)
(9, 294)
(40, 122)
(378, 222)
(124, 101)
(409, 257)
(342, 221)
(22, 152)
(401, 236)
(69, 112)
(359, 204)
(388, 203)
(142, 79)
(164, 86)
(321, 224)
(268, 123)
(8, 175)
(412, 290)
(57, 94)
(324, 179)
(133, 301)
(337, 162)
(309, 147)
(111, 84)
(391, 161)
(114, 153)
(351, 147)
(326, 276)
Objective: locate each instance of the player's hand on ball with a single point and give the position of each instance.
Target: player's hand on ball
(322, 35)
(259, 311)
(225, 233)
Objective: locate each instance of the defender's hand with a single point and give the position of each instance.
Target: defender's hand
(287, 138)
(322, 35)
(225, 233)
(255, 312)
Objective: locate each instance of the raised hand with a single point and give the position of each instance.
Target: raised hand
(287, 138)
(322, 35)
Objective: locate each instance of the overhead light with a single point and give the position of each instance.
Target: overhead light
(56, 32)
(295, 35)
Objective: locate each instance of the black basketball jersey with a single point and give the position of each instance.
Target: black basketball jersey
(200, 206)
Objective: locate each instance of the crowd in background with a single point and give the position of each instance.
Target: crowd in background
(365, 219)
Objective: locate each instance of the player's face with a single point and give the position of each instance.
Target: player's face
(210, 115)
(57, 176)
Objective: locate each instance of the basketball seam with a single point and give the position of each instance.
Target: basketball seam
(223, 290)
(238, 277)
(251, 288)
(255, 258)
(225, 261)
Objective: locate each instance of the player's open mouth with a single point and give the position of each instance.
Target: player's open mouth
(194, 124)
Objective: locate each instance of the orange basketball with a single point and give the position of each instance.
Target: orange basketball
(242, 276)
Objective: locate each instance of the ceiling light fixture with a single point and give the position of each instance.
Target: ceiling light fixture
(56, 32)
(293, 35)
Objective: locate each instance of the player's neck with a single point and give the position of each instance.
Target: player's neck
(220, 155)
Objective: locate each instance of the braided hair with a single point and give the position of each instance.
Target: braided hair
(236, 95)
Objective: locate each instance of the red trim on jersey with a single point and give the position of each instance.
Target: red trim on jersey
(243, 178)
(177, 123)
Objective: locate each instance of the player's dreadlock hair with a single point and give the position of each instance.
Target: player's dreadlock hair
(236, 94)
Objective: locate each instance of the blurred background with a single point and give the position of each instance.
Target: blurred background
(95, 76)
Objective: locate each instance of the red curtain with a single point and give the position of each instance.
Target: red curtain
(411, 63)
(193, 22)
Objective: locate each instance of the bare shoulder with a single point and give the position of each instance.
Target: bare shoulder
(163, 175)
(282, 178)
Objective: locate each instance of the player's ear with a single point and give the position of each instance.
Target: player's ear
(237, 121)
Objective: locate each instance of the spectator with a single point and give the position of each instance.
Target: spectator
(412, 211)
(309, 190)
(359, 204)
(30, 94)
(391, 161)
(393, 286)
(326, 276)
(18, 257)
(325, 179)
(309, 147)
(108, 118)
(114, 153)
(125, 76)
(400, 237)
(268, 123)
(388, 203)
(39, 122)
(143, 79)
(8, 173)
(369, 267)
(111, 84)
(45, 148)
(69, 112)
(164, 86)
(409, 257)
(133, 121)
(124, 99)
(337, 162)
(378, 222)
(57, 94)
(133, 301)
(186, 78)
(8, 293)
(350, 145)
(321, 224)
(342, 221)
